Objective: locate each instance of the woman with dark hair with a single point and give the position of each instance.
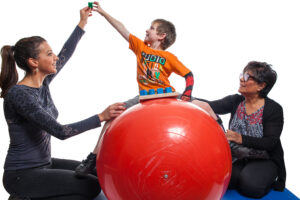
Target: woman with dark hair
(255, 127)
(29, 170)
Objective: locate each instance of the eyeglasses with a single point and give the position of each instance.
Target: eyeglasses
(247, 76)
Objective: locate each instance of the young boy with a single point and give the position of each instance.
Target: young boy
(154, 66)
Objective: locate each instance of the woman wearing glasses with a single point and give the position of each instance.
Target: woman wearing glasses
(254, 132)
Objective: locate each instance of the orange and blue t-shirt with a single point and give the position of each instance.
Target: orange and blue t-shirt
(154, 66)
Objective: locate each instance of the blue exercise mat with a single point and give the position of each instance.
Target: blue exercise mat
(273, 195)
(234, 195)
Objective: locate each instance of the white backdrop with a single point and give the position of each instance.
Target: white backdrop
(216, 39)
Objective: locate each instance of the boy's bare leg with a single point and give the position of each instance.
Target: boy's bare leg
(88, 165)
(99, 142)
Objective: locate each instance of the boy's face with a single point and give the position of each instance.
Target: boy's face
(152, 35)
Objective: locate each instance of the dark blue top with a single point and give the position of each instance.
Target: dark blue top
(31, 118)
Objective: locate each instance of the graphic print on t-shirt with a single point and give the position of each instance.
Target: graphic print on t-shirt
(152, 68)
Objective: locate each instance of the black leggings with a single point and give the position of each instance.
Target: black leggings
(253, 178)
(55, 181)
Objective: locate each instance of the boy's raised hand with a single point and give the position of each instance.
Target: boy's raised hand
(98, 8)
(114, 22)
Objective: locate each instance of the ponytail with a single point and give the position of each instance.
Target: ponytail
(19, 54)
(9, 74)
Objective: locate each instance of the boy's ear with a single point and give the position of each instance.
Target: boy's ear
(162, 36)
(33, 62)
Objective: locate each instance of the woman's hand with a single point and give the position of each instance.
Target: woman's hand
(185, 98)
(111, 112)
(84, 14)
(234, 137)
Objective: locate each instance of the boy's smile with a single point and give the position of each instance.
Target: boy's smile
(151, 34)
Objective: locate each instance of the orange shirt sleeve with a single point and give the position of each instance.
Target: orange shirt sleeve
(135, 43)
(177, 66)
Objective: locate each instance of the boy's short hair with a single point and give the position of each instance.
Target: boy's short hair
(168, 28)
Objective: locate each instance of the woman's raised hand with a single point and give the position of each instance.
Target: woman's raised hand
(84, 14)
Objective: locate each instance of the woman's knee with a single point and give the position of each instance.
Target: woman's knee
(251, 188)
(91, 187)
(257, 177)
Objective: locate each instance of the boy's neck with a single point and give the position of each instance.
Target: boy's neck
(156, 45)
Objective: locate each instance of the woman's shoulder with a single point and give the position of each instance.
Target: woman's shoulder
(238, 97)
(235, 98)
(14, 90)
(272, 110)
(19, 91)
(272, 104)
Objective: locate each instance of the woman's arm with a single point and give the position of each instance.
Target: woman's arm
(225, 105)
(70, 45)
(27, 106)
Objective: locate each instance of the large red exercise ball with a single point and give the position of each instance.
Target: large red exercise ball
(164, 149)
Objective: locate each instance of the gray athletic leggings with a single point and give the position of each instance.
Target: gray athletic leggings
(54, 181)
